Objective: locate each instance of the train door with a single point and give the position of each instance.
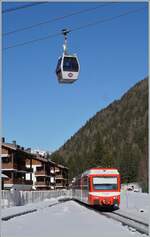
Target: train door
(85, 189)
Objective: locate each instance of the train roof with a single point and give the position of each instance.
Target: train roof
(100, 171)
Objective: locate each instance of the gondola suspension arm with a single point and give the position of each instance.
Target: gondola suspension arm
(65, 32)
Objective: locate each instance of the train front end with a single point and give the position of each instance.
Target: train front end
(104, 188)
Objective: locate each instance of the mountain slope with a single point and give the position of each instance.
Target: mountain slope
(117, 136)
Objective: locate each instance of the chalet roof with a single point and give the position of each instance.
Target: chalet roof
(32, 156)
(16, 148)
(10, 146)
(41, 158)
(52, 162)
(61, 166)
(38, 157)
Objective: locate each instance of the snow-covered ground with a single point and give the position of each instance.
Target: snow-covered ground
(135, 204)
(29, 207)
(70, 219)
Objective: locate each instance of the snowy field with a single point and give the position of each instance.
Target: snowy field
(70, 219)
(135, 205)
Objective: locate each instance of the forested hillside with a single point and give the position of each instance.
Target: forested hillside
(117, 136)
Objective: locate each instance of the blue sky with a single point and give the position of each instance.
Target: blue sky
(38, 112)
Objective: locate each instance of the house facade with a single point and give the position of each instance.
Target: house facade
(47, 175)
(41, 173)
(61, 177)
(28, 171)
(14, 166)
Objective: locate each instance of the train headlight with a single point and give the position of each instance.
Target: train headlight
(96, 198)
(115, 197)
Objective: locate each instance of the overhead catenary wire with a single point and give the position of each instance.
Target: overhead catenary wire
(77, 28)
(55, 19)
(21, 7)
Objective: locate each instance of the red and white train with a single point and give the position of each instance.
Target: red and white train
(98, 186)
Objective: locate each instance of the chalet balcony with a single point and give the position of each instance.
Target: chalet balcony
(9, 166)
(41, 183)
(29, 170)
(59, 182)
(57, 170)
(5, 155)
(18, 181)
(59, 185)
(59, 177)
(41, 173)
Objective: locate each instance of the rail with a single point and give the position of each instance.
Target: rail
(134, 223)
(138, 225)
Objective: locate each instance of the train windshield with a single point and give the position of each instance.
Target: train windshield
(105, 183)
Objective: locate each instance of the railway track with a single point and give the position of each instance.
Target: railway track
(133, 224)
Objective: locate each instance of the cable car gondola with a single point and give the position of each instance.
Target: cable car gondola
(68, 67)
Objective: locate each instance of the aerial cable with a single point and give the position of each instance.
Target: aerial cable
(54, 19)
(77, 28)
(21, 7)
(107, 19)
(32, 41)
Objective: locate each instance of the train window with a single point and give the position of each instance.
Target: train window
(70, 64)
(105, 183)
(85, 183)
(89, 184)
(77, 184)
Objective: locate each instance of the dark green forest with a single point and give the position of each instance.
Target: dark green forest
(117, 136)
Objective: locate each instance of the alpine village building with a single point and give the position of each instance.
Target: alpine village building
(23, 170)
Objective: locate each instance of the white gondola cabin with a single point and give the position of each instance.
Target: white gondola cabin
(68, 67)
(67, 70)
